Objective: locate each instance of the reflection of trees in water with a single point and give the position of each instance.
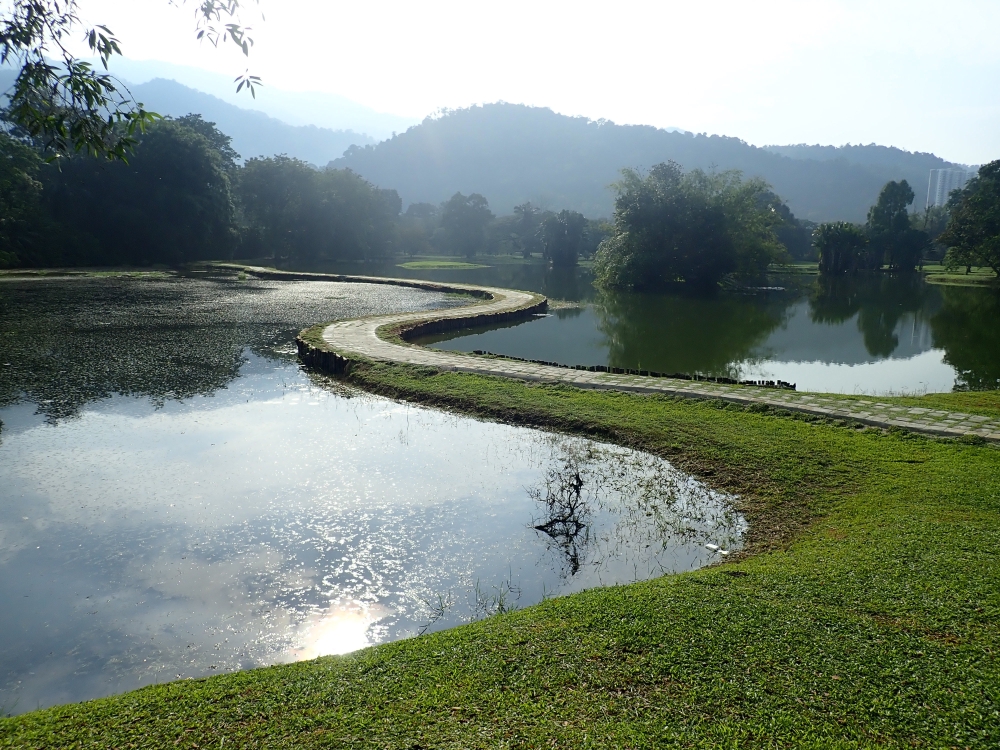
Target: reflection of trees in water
(967, 327)
(600, 504)
(879, 301)
(566, 513)
(685, 333)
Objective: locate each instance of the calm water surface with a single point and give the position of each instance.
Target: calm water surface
(179, 498)
(867, 336)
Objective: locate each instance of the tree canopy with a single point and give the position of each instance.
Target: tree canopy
(841, 247)
(182, 197)
(292, 211)
(464, 219)
(562, 236)
(897, 244)
(973, 233)
(888, 238)
(694, 227)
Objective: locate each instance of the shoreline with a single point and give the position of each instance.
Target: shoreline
(863, 611)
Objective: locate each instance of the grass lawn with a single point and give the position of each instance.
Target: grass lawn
(865, 614)
(440, 264)
(938, 274)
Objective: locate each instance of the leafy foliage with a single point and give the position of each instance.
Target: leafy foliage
(67, 105)
(171, 203)
(464, 219)
(973, 234)
(892, 239)
(20, 195)
(842, 248)
(295, 212)
(695, 227)
(562, 236)
(887, 238)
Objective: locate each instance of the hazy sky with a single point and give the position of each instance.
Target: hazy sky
(919, 75)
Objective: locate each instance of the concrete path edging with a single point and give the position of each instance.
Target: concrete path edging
(385, 337)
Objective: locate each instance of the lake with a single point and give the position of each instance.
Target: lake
(178, 497)
(877, 336)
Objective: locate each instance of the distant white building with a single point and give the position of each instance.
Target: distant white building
(942, 182)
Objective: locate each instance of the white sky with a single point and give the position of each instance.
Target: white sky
(919, 75)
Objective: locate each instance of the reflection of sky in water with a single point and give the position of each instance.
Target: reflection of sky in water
(817, 356)
(281, 520)
(833, 358)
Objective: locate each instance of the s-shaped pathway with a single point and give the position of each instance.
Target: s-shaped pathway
(384, 338)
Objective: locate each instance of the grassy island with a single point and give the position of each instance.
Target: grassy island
(863, 613)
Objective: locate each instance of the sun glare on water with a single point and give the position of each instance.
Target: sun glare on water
(341, 629)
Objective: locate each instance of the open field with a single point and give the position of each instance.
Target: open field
(864, 612)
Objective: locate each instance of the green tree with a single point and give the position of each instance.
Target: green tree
(973, 233)
(562, 237)
(66, 104)
(890, 235)
(171, 203)
(842, 248)
(696, 227)
(293, 212)
(526, 229)
(464, 219)
(20, 201)
(416, 227)
(795, 235)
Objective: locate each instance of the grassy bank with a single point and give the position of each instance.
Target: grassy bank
(866, 613)
(938, 274)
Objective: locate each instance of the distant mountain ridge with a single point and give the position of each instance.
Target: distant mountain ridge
(872, 154)
(317, 108)
(512, 153)
(253, 133)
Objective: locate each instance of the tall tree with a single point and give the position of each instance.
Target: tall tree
(526, 228)
(842, 248)
(694, 227)
(20, 201)
(171, 203)
(464, 219)
(562, 236)
(973, 233)
(890, 235)
(294, 212)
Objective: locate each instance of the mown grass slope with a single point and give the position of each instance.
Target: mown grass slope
(864, 614)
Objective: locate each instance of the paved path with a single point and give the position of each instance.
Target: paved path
(360, 337)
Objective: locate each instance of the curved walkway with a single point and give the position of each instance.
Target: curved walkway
(384, 338)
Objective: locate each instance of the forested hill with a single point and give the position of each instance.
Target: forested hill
(870, 155)
(513, 153)
(254, 133)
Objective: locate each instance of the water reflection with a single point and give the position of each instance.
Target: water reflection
(880, 304)
(271, 516)
(687, 334)
(966, 328)
(860, 335)
(606, 509)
